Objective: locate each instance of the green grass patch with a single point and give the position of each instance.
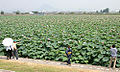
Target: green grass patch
(18, 66)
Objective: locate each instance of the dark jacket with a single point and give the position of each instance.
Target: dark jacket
(68, 52)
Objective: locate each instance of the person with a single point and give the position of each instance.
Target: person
(9, 52)
(68, 53)
(113, 51)
(14, 51)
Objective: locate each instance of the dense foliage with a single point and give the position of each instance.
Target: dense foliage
(45, 37)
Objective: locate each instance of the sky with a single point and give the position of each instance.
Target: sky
(58, 5)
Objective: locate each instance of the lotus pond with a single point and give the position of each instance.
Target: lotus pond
(46, 37)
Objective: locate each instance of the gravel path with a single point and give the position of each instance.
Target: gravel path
(81, 66)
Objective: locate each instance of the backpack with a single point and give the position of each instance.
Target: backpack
(69, 52)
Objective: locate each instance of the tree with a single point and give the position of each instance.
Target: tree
(2, 12)
(119, 11)
(17, 12)
(35, 12)
(101, 11)
(26, 12)
(97, 12)
(72, 13)
(61, 13)
(106, 10)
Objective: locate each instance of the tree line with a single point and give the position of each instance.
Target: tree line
(103, 11)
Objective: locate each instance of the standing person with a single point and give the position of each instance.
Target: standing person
(68, 53)
(7, 42)
(14, 51)
(9, 52)
(113, 51)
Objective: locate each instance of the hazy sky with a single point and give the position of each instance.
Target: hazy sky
(63, 5)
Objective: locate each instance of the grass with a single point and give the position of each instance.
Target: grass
(32, 67)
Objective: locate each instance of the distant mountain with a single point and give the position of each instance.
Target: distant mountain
(47, 7)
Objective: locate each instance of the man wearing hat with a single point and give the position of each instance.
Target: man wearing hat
(14, 51)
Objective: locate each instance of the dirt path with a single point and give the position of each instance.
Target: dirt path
(80, 66)
(1, 70)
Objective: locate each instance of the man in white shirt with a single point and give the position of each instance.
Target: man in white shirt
(113, 51)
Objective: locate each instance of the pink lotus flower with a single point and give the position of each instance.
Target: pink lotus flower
(102, 42)
(49, 39)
